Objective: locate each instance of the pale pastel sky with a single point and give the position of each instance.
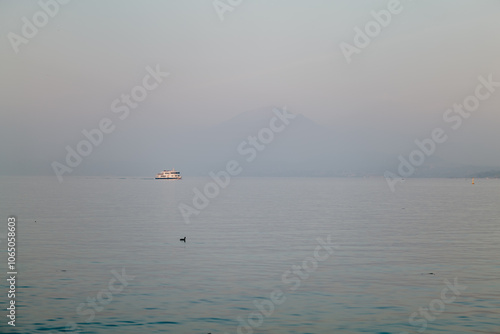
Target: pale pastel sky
(64, 79)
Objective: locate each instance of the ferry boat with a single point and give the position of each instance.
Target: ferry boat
(168, 175)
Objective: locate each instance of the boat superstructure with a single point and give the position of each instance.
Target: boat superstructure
(169, 175)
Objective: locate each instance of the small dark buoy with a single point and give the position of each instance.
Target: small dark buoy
(183, 239)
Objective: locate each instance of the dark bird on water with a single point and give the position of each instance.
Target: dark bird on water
(183, 239)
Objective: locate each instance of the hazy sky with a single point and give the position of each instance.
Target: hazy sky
(65, 77)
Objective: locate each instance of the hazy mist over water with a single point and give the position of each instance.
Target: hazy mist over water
(241, 247)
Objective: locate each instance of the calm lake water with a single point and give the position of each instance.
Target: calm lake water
(426, 257)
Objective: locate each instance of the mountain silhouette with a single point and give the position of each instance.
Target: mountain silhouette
(302, 148)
